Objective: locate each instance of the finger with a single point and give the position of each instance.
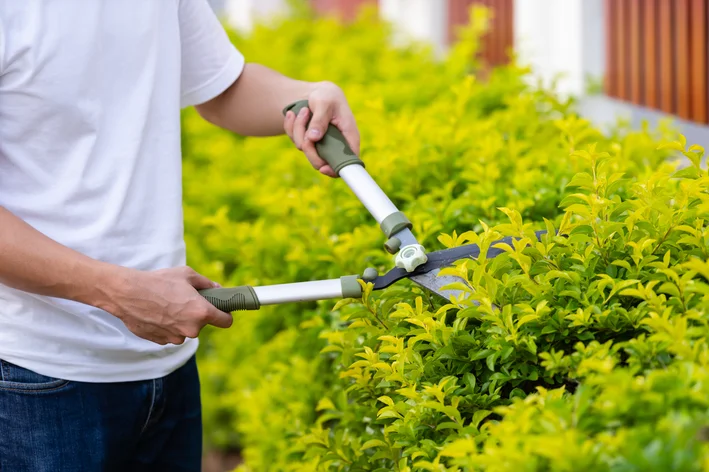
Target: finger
(299, 127)
(316, 130)
(288, 123)
(199, 281)
(327, 170)
(348, 127)
(219, 318)
(152, 333)
(314, 158)
(322, 114)
(177, 340)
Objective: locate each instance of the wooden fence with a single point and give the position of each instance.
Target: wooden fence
(496, 44)
(656, 55)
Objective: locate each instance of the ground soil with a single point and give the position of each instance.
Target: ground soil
(220, 461)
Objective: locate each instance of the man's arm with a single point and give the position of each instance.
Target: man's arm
(253, 106)
(162, 306)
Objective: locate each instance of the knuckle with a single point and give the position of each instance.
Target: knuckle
(189, 332)
(204, 314)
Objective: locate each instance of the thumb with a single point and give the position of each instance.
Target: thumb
(318, 123)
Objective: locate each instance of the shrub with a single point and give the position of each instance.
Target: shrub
(585, 349)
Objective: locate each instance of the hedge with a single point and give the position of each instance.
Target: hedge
(584, 350)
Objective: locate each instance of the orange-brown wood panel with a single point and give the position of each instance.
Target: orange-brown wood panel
(496, 43)
(621, 28)
(682, 52)
(666, 64)
(635, 52)
(698, 61)
(346, 9)
(488, 50)
(509, 28)
(496, 32)
(650, 52)
(611, 78)
(457, 15)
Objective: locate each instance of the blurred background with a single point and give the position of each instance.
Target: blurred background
(454, 136)
(632, 60)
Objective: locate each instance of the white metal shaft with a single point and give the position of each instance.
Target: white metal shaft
(299, 292)
(368, 192)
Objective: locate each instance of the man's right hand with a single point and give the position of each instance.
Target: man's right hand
(163, 306)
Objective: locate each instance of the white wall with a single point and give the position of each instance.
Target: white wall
(561, 40)
(241, 14)
(420, 20)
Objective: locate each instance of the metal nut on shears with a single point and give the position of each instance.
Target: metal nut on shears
(410, 257)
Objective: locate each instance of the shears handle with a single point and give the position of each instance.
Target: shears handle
(253, 298)
(335, 150)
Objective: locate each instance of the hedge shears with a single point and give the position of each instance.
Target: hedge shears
(410, 258)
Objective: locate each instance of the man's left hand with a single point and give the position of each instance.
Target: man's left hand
(328, 105)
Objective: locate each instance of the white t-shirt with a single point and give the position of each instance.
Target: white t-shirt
(90, 99)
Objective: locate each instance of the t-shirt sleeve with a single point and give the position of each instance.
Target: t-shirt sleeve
(210, 61)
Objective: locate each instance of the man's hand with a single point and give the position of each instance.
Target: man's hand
(327, 104)
(253, 106)
(164, 306)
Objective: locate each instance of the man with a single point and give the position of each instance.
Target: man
(99, 317)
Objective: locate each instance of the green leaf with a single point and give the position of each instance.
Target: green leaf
(469, 380)
(386, 400)
(325, 404)
(491, 361)
(344, 302)
(478, 416)
(527, 319)
(373, 443)
(583, 180)
(447, 425)
(458, 448)
(687, 173)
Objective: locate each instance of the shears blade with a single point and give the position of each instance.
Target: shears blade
(436, 283)
(427, 275)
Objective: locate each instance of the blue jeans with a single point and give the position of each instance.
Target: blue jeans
(54, 425)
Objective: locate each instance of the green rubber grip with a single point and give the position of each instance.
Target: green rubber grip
(333, 147)
(350, 286)
(232, 299)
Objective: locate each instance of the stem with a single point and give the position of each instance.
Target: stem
(664, 238)
(374, 313)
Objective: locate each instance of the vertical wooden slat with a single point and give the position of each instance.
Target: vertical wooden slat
(650, 53)
(509, 21)
(622, 32)
(457, 15)
(494, 45)
(487, 40)
(681, 53)
(611, 79)
(503, 8)
(666, 65)
(495, 32)
(698, 62)
(635, 52)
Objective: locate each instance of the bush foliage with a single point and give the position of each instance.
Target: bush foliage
(585, 349)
